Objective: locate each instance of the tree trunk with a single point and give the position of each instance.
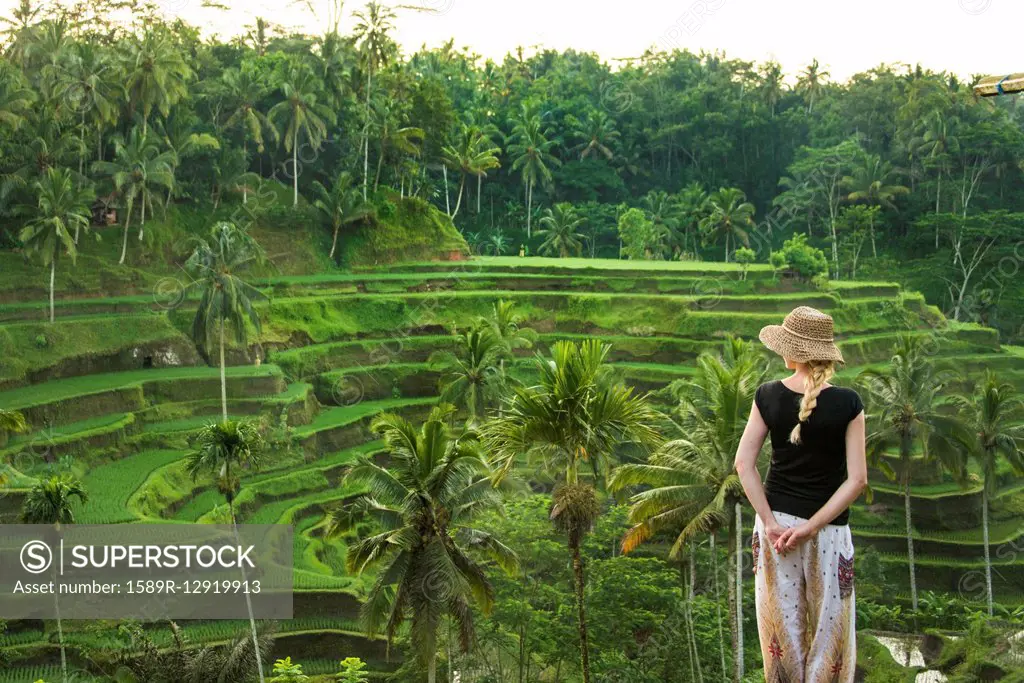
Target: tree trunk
(905, 459)
(871, 231)
(447, 199)
(718, 603)
(334, 242)
(432, 669)
(726, 247)
(142, 222)
(223, 377)
(124, 242)
(53, 274)
(458, 202)
(738, 554)
(248, 601)
(366, 131)
(60, 634)
(380, 164)
(577, 570)
(295, 168)
(984, 533)
(529, 209)
(479, 189)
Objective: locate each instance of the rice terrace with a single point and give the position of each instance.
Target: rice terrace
(483, 334)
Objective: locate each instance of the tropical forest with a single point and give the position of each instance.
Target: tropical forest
(483, 334)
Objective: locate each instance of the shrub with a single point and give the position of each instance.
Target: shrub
(744, 257)
(801, 258)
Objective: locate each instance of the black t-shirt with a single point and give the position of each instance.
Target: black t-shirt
(802, 477)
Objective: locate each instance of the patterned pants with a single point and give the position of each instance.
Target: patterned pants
(805, 606)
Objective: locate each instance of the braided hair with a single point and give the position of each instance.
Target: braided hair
(819, 372)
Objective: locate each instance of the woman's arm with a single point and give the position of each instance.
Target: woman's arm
(856, 480)
(746, 467)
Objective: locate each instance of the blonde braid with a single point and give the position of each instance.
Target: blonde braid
(819, 372)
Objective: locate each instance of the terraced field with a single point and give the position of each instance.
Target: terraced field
(338, 349)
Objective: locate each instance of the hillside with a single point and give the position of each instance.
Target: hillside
(115, 387)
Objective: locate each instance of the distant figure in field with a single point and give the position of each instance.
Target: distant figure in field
(802, 547)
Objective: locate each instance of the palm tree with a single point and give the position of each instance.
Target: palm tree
(531, 151)
(87, 79)
(46, 145)
(62, 205)
(15, 96)
(730, 216)
(690, 484)
(811, 82)
(508, 326)
(11, 422)
(156, 74)
(182, 141)
(225, 450)
(906, 412)
(50, 502)
(376, 47)
(471, 371)
(423, 505)
(473, 155)
(226, 299)
(771, 85)
(300, 113)
(244, 91)
(597, 134)
(872, 183)
(994, 415)
(341, 206)
(937, 143)
(574, 417)
(559, 230)
(692, 205)
(391, 136)
(663, 212)
(139, 168)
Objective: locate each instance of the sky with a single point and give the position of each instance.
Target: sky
(962, 36)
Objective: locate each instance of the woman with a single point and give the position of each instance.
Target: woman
(803, 552)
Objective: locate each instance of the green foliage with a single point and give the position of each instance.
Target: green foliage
(800, 258)
(640, 239)
(352, 670)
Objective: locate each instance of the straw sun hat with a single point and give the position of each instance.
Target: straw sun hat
(806, 334)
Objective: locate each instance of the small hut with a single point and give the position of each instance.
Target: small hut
(994, 86)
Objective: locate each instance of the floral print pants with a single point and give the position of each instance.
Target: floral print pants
(805, 606)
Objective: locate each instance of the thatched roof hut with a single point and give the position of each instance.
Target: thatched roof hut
(993, 86)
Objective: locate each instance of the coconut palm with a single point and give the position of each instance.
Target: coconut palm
(138, 170)
(11, 422)
(182, 141)
(873, 183)
(531, 152)
(994, 415)
(341, 206)
(663, 212)
(88, 78)
(690, 486)
(244, 92)
(559, 229)
(573, 418)
(300, 113)
(225, 450)
(391, 136)
(423, 505)
(473, 154)
(730, 215)
(906, 412)
(811, 82)
(44, 145)
(937, 143)
(597, 134)
(15, 96)
(376, 48)
(62, 206)
(216, 264)
(471, 372)
(51, 501)
(692, 207)
(156, 74)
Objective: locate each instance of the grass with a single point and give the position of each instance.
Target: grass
(346, 415)
(590, 264)
(110, 486)
(63, 389)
